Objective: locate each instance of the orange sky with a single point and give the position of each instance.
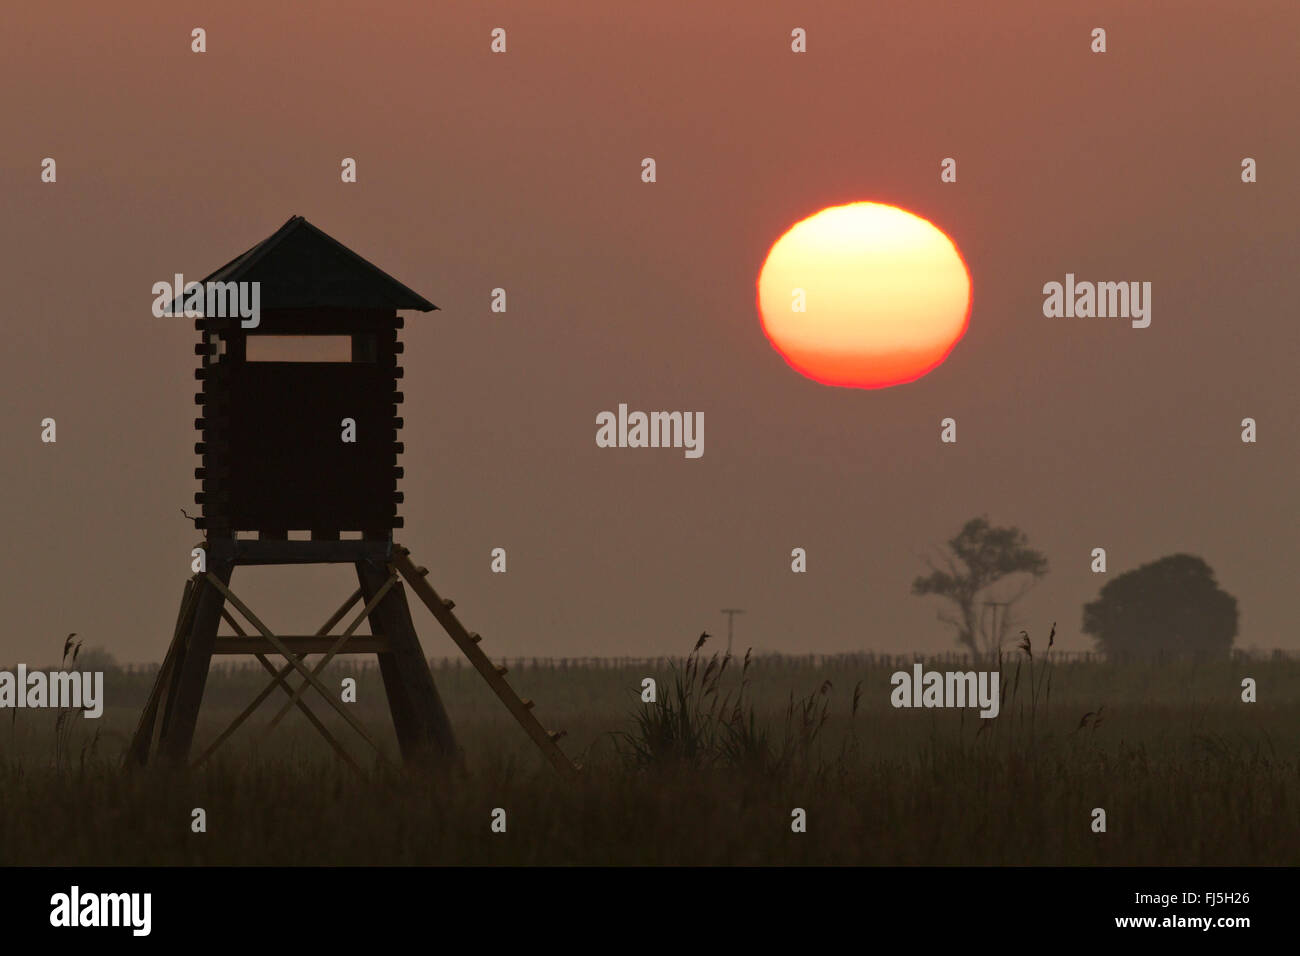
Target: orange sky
(523, 171)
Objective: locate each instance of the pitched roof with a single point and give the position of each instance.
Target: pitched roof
(301, 267)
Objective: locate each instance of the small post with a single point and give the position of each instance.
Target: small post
(731, 613)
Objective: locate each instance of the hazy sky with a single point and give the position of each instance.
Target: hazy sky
(522, 171)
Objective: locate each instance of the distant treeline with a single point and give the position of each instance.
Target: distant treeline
(945, 659)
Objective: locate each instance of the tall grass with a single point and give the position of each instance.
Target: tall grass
(701, 722)
(707, 773)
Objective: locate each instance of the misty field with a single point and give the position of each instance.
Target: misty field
(1186, 772)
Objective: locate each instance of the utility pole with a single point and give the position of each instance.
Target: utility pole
(995, 605)
(731, 613)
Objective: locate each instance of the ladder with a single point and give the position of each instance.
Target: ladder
(494, 674)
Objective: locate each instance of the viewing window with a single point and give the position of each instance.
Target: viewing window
(300, 348)
(216, 346)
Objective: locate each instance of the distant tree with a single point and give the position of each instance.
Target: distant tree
(95, 659)
(981, 556)
(1172, 607)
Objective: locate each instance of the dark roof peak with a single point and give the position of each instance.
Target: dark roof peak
(301, 267)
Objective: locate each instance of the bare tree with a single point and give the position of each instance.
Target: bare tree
(980, 557)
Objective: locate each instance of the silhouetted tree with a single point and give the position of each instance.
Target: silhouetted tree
(981, 557)
(1170, 607)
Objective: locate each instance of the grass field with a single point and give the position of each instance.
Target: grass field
(1186, 772)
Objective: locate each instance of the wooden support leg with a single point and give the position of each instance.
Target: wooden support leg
(182, 713)
(469, 644)
(423, 730)
(183, 627)
(160, 695)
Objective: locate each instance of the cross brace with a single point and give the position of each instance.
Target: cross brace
(168, 721)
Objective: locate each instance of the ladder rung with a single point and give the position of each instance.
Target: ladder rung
(469, 642)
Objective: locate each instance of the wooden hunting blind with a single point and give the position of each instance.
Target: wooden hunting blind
(273, 448)
(298, 434)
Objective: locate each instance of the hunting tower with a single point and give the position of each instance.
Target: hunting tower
(299, 413)
(298, 452)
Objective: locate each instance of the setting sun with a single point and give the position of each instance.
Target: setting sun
(864, 295)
